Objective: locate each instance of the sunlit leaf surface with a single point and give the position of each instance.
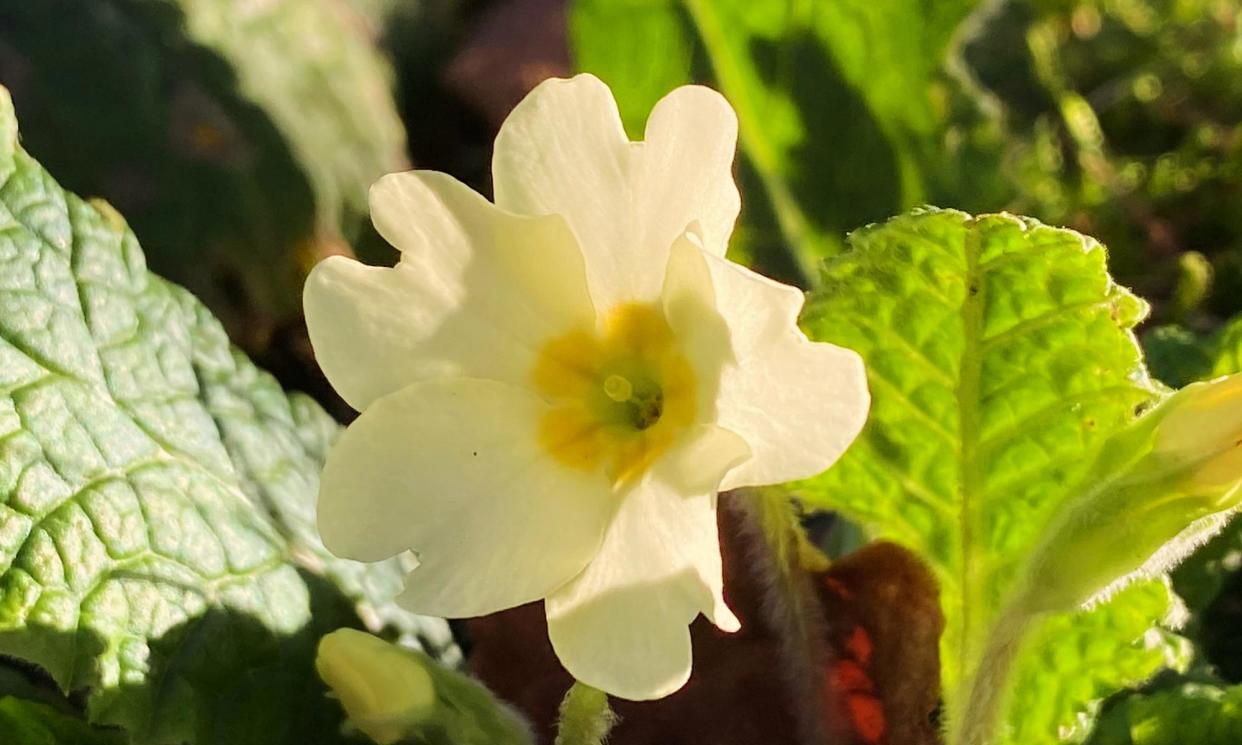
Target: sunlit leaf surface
(157, 546)
(999, 355)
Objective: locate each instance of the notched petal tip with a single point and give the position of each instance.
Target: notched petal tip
(583, 81)
(696, 107)
(723, 618)
(798, 403)
(853, 382)
(630, 642)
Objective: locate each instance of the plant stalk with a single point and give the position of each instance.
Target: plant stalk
(984, 691)
(784, 560)
(586, 718)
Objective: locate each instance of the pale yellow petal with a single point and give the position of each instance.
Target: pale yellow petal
(384, 689)
(563, 151)
(621, 625)
(797, 403)
(452, 470)
(477, 292)
(689, 302)
(687, 160)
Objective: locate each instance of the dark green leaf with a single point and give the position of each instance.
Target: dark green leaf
(238, 137)
(29, 723)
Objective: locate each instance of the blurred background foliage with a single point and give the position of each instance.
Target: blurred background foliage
(239, 138)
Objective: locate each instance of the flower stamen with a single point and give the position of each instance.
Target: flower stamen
(618, 388)
(621, 394)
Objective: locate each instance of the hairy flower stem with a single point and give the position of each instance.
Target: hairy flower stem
(784, 559)
(586, 717)
(983, 692)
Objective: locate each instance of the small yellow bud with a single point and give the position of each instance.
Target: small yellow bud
(384, 689)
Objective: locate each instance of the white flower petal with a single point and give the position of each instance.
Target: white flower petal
(621, 625)
(688, 168)
(797, 403)
(452, 470)
(689, 301)
(697, 465)
(563, 151)
(476, 294)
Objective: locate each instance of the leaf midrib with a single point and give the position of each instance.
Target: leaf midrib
(970, 367)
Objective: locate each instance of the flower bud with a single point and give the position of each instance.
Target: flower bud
(1204, 429)
(384, 689)
(1158, 488)
(395, 694)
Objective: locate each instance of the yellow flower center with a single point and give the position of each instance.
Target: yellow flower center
(620, 395)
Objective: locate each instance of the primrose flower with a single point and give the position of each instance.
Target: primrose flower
(553, 388)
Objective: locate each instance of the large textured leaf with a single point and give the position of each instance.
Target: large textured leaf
(238, 137)
(844, 107)
(999, 354)
(156, 492)
(1076, 661)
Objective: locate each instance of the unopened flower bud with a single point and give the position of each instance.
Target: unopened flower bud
(1204, 429)
(1157, 490)
(383, 688)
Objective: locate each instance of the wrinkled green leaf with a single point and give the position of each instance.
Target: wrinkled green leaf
(1073, 662)
(29, 723)
(1198, 713)
(1000, 356)
(238, 137)
(846, 111)
(157, 492)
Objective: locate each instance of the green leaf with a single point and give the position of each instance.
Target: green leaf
(1075, 661)
(157, 546)
(1227, 350)
(1000, 357)
(29, 723)
(1178, 356)
(240, 138)
(1198, 713)
(844, 108)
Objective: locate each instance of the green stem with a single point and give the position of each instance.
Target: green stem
(586, 718)
(784, 562)
(984, 690)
